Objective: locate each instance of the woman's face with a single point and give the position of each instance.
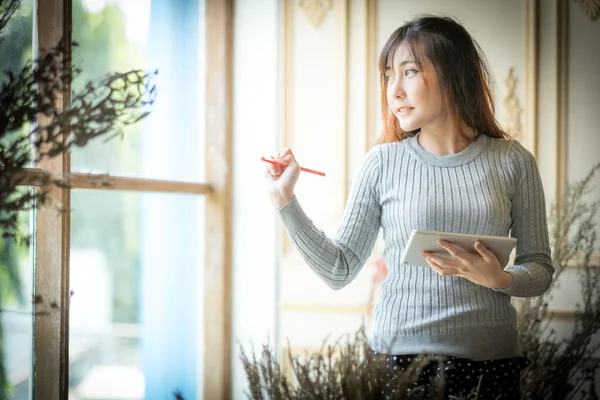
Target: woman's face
(413, 91)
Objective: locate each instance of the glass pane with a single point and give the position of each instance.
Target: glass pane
(16, 322)
(16, 41)
(135, 267)
(16, 265)
(153, 35)
(16, 51)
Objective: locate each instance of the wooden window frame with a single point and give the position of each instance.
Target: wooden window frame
(52, 22)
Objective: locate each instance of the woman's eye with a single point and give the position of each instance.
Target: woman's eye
(387, 78)
(410, 72)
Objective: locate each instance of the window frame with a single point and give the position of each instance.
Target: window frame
(51, 241)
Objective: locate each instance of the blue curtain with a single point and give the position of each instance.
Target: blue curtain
(169, 307)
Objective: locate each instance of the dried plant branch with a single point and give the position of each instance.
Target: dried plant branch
(563, 368)
(342, 370)
(102, 108)
(8, 8)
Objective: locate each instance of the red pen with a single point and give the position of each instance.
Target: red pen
(312, 171)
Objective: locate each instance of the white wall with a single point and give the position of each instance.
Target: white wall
(583, 97)
(254, 134)
(547, 92)
(582, 117)
(583, 94)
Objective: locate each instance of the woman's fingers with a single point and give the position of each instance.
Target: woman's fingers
(441, 261)
(456, 252)
(273, 170)
(483, 251)
(268, 172)
(276, 170)
(287, 162)
(285, 152)
(441, 270)
(285, 157)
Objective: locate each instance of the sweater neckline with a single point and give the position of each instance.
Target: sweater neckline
(463, 157)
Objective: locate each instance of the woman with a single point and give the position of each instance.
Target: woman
(442, 164)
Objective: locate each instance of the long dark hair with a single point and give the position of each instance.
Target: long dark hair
(463, 75)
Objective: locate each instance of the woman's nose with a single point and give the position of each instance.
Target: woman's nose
(398, 90)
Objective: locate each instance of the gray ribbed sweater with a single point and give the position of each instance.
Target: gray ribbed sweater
(492, 187)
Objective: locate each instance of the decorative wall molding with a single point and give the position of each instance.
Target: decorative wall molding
(371, 100)
(591, 8)
(344, 11)
(512, 107)
(356, 309)
(532, 51)
(289, 28)
(315, 10)
(286, 51)
(562, 90)
(577, 262)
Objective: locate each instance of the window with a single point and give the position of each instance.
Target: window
(126, 266)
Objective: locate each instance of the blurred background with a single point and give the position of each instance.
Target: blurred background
(304, 75)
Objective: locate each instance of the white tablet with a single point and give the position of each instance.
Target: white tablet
(421, 240)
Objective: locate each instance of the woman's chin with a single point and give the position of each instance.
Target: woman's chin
(408, 127)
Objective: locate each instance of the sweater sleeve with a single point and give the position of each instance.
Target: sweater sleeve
(339, 259)
(533, 270)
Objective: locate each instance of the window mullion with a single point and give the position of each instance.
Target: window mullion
(51, 239)
(217, 268)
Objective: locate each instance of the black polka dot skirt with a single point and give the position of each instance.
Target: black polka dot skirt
(447, 377)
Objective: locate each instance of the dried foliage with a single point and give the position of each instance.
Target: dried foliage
(343, 370)
(7, 9)
(564, 368)
(34, 98)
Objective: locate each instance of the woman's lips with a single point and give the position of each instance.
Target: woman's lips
(404, 110)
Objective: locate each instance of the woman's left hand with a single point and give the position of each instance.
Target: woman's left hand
(482, 268)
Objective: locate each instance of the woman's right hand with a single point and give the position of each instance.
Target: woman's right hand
(282, 180)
